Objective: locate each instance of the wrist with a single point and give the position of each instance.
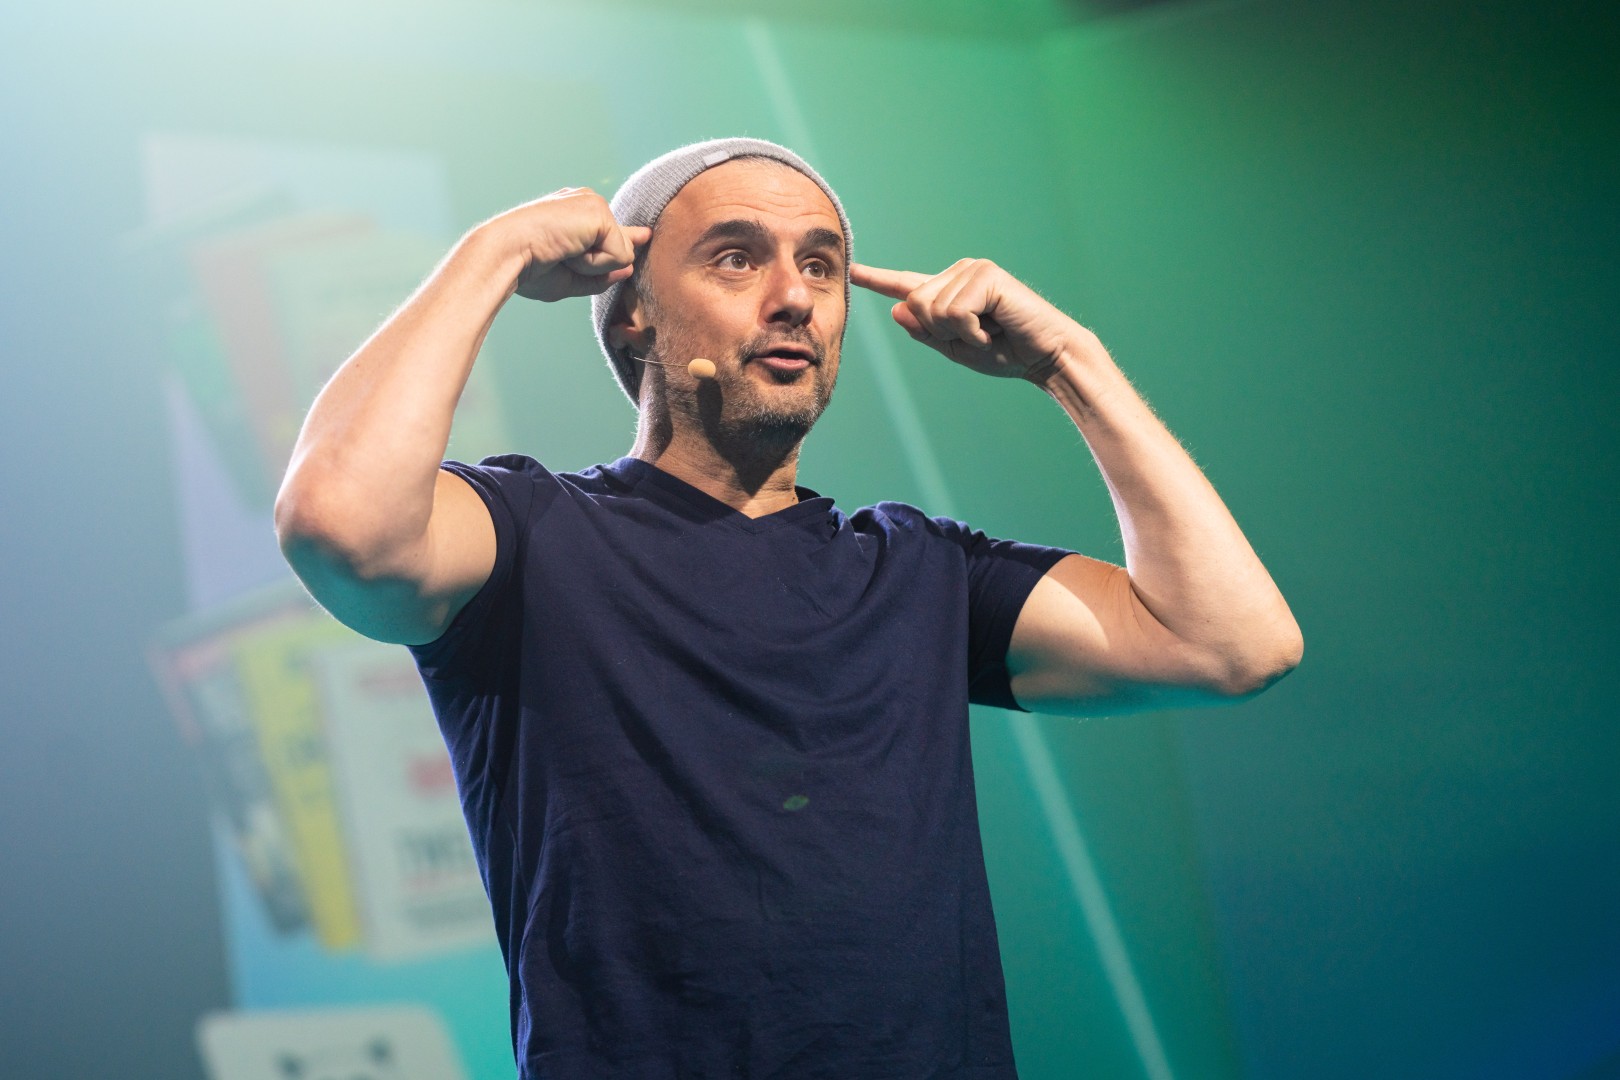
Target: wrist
(1080, 373)
(1076, 352)
(496, 249)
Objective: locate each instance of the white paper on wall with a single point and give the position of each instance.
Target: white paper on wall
(396, 1042)
(419, 887)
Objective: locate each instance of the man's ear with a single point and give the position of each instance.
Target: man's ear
(628, 328)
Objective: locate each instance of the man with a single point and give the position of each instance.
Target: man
(710, 733)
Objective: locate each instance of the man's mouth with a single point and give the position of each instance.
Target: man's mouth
(786, 357)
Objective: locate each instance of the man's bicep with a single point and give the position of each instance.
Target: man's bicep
(414, 597)
(1084, 643)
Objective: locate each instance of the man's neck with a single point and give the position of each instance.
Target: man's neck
(751, 484)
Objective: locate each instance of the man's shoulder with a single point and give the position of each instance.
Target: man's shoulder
(521, 467)
(890, 512)
(510, 462)
(905, 519)
(519, 489)
(905, 523)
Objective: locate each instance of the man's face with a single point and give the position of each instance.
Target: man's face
(747, 268)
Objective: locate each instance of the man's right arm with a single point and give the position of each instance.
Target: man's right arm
(386, 541)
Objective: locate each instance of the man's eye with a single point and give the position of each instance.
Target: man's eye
(816, 268)
(734, 260)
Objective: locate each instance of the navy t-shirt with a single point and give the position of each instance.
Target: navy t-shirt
(716, 770)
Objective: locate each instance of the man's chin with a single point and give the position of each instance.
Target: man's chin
(784, 392)
(765, 407)
(778, 425)
(778, 421)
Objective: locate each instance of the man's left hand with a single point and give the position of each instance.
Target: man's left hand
(978, 315)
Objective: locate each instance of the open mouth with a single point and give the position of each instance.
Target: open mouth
(786, 357)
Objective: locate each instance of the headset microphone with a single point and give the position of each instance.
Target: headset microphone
(699, 368)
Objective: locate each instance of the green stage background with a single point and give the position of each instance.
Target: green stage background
(1359, 256)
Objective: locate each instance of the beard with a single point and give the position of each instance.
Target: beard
(765, 415)
(735, 410)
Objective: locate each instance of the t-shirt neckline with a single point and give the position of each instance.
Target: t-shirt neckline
(635, 472)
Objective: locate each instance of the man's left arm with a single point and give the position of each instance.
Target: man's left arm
(1193, 615)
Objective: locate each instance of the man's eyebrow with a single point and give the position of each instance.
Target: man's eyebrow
(824, 238)
(741, 230)
(748, 231)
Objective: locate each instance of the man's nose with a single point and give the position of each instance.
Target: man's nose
(788, 298)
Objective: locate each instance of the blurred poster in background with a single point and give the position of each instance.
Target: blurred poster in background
(391, 1043)
(347, 876)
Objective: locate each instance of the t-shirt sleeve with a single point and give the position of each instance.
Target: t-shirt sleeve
(507, 486)
(1001, 574)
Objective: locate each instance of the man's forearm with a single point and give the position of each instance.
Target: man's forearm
(364, 469)
(1190, 565)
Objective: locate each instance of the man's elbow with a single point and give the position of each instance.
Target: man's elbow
(323, 534)
(1264, 658)
(309, 530)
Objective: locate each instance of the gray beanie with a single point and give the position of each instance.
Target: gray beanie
(642, 198)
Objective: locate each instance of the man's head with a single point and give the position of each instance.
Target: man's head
(748, 266)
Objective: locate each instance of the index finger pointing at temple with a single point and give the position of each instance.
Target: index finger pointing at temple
(895, 284)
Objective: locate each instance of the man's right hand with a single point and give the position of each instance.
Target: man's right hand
(570, 244)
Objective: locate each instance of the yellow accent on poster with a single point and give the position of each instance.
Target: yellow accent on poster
(286, 709)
